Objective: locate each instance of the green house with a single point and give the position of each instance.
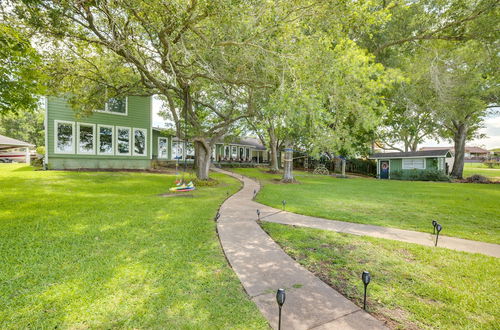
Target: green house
(440, 160)
(121, 136)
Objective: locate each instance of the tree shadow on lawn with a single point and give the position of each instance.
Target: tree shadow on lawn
(127, 262)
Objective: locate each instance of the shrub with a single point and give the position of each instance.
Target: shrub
(419, 175)
(476, 178)
(491, 163)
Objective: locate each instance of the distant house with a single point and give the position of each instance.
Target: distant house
(420, 160)
(120, 136)
(471, 153)
(12, 150)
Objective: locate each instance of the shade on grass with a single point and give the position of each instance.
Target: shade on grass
(412, 286)
(103, 250)
(465, 210)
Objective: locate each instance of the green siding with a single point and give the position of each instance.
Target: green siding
(156, 135)
(395, 164)
(138, 116)
(431, 163)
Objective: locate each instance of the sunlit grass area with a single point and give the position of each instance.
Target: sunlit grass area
(481, 169)
(412, 286)
(465, 210)
(104, 250)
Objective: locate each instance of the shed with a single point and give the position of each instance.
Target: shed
(419, 160)
(14, 150)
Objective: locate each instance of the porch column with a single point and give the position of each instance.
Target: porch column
(28, 156)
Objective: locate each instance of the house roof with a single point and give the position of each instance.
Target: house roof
(251, 142)
(476, 150)
(7, 142)
(413, 154)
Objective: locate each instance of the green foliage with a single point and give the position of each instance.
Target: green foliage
(419, 175)
(466, 210)
(20, 75)
(25, 125)
(104, 250)
(413, 286)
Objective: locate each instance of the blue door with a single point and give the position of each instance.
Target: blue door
(384, 169)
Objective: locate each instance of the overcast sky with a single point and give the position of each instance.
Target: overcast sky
(491, 129)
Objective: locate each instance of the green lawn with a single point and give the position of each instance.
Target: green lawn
(465, 210)
(412, 286)
(103, 250)
(478, 168)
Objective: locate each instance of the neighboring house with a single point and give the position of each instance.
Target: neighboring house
(121, 136)
(12, 150)
(471, 153)
(421, 160)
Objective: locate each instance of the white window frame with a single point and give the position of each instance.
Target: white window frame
(235, 148)
(166, 148)
(413, 168)
(145, 141)
(78, 151)
(98, 146)
(173, 154)
(115, 113)
(56, 139)
(117, 152)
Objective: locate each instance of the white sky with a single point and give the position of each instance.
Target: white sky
(491, 129)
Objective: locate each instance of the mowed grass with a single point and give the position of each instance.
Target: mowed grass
(468, 211)
(103, 250)
(481, 169)
(412, 286)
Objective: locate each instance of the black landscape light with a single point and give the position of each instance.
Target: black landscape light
(434, 224)
(254, 192)
(284, 204)
(258, 214)
(280, 299)
(438, 229)
(217, 216)
(366, 280)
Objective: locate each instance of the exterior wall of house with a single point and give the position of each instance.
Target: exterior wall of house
(156, 138)
(138, 116)
(396, 164)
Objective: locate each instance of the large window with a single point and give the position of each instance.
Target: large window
(123, 140)
(414, 163)
(177, 149)
(234, 152)
(105, 140)
(226, 151)
(64, 138)
(116, 105)
(162, 147)
(140, 142)
(86, 138)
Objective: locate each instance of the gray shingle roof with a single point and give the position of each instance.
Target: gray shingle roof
(425, 154)
(10, 142)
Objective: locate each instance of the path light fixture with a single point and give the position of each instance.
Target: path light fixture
(280, 299)
(254, 193)
(438, 229)
(284, 204)
(258, 214)
(365, 277)
(217, 216)
(434, 224)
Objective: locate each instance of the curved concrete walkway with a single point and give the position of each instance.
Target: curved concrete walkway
(263, 267)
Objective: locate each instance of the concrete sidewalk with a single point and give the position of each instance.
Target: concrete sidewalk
(263, 267)
(402, 235)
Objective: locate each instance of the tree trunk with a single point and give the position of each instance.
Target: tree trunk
(202, 152)
(459, 138)
(343, 167)
(288, 165)
(274, 151)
